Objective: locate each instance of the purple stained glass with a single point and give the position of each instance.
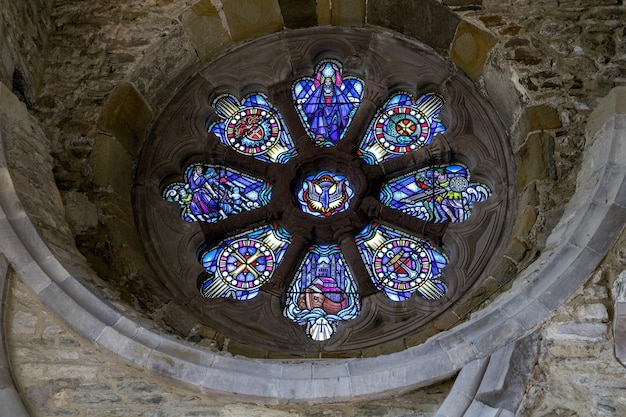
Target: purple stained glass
(253, 128)
(435, 194)
(211, 193)
(325, 194)
(240, 265)
(327, 102)
(402, 125)
(400, 264)
(322, 293)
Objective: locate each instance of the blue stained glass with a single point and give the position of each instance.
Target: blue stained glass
(400, 264)
(322, 293)
(240, 265)
(402, 125)
(211, 193)
(327, 103)
(435, 194)
(325, 194)
(253, 128)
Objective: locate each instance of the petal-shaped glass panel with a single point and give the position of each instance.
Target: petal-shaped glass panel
(435, 194)
(322, 293)
(211, 193)
(402, 125)
(240, 265)
(253, 128)
(327, 103)
(400, 264)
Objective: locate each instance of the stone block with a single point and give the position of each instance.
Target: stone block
(401, 15)
(470, 49)
(125, 347)
(334, 371)
(203, 25)
(614, 103)
(572, 331)
(491, 331)
(609, 229)
(126, 115)
(478, 409)
(112, 166)
(348, 13)
(102, 311)
(619, 332)
(528, 315)
(535, 159)
(323, 12)
(50, 371)
(60, 302)
(298, 13)
(11, 105)
(12, 404)
(23, 323)
(248, 19)
(542, 117)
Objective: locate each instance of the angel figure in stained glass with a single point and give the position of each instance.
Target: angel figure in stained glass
(327, 103)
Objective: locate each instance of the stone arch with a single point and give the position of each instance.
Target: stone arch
(569, 259)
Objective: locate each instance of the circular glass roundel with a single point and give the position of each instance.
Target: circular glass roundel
(401, 129)
(246, 264)
(253, 131)
(325, 194)
(401, 264)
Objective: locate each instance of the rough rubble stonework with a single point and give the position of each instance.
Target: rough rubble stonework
(544, 64)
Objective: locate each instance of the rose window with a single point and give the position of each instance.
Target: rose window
(324, 202)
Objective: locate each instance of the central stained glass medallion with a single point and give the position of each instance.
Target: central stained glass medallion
(324, 194)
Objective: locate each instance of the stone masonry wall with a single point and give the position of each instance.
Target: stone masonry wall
(23, 40)
(552, 59)
(61, 374)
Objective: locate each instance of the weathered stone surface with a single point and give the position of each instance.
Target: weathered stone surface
(543, 117)
(205, 29)
(112, 166)
(535, 160)
(470, 48)
(250, 19)
(432, 17)
(126, 116)
(298, 14)
(348, 12)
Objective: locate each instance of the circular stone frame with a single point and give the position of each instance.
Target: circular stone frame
(388, 64)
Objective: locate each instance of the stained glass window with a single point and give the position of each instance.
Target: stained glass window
(325, 194)
(327, 103)
(253, 128)
(212, 192)
(400, 264)
(240, 265)
(322, 293)
(402, 125)
(435, 194)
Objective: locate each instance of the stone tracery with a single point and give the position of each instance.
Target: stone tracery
(335, 184)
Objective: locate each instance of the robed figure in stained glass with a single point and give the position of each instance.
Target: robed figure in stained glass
(435, 194)
(212, 193)
(327, 103)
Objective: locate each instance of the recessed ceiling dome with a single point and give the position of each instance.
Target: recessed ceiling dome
(324, 182)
